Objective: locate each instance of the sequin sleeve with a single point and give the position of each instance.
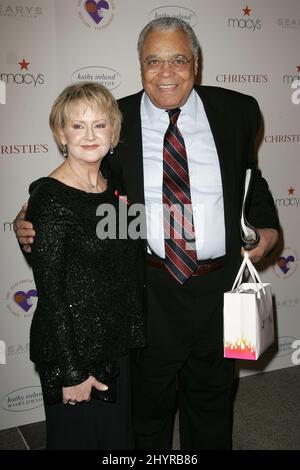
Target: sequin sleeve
(51, 220)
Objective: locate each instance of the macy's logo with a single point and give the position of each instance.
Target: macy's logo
(22, 77)
(245, 22)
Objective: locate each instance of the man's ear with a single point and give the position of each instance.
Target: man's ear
(196, 66)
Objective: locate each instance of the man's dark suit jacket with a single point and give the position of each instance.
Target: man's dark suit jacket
(234, 121)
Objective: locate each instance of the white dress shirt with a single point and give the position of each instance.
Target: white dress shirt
(204, 172)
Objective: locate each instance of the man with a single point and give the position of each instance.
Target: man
(194, 157)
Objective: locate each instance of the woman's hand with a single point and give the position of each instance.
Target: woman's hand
(82, 392)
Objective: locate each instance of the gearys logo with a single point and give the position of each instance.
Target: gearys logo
(96, 15)
(7, 10)
(288, 23)
(22, 298)
(287, 303)
(286, 264)
(246, 22)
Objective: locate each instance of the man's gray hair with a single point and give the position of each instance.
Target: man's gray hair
(169, 23)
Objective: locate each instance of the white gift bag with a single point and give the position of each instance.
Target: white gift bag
(248, 316)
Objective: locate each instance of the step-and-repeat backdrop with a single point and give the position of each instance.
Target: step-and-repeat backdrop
(47, 44)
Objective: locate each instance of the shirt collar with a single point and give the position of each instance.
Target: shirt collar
(189, 109)
(156, 114)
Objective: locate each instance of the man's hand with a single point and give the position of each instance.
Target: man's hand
(268, 239)
(24, 230)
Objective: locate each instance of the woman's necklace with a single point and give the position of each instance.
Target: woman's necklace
(90, 185)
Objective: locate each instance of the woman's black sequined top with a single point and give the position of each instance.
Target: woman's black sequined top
(89, 309)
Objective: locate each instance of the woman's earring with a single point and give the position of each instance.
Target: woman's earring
(111, 150)
(65, 150)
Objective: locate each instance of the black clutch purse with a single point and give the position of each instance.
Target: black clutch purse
(109, 395)
(249, 235)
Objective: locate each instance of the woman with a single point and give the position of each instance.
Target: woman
(89, 312)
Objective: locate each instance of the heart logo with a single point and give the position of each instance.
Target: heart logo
(96, 9)
(24, 299)
(284, 263)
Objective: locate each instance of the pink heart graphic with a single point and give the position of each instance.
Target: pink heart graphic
(23, 299)
(95, 9)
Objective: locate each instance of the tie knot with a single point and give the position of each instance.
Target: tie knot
(173, 115)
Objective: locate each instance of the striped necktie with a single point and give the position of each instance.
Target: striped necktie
(180, 253)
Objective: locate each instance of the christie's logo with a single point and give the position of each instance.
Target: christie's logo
(24, 150)
(288, 79)
(286, 264)
(23, 399)
(20, 11)
(181, 13)
(282, 139)
(110, 78)
(96, 15)
(23, 77)
(22, 298)
(257, 79)
(245, 22)
(290, 200)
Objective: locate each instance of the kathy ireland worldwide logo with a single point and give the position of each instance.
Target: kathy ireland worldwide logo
(23, 76)
(246, 21)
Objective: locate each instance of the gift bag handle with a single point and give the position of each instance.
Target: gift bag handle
(258, 284)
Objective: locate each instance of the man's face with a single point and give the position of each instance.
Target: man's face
(167, 88)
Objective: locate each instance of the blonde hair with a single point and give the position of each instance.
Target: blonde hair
(87, 93)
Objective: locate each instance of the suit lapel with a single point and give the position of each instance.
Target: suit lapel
(222, 130)
(131, 149)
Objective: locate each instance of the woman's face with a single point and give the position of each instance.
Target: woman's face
(87, 133)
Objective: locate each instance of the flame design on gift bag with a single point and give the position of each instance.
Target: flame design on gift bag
(240, 349)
